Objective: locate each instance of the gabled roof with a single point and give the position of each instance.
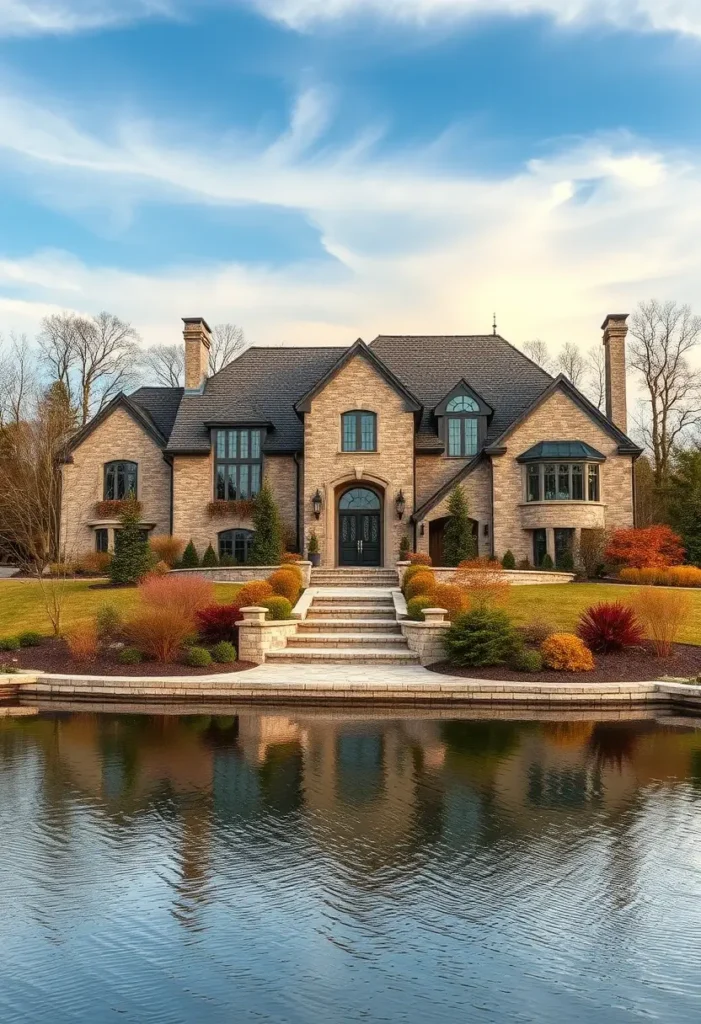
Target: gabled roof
(447, 487)
(136, 406)
(545, 450)
(463, 388)
(359, 348)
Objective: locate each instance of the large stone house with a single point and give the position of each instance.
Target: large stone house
(361, 445)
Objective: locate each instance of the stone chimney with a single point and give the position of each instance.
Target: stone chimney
(198, 339)
(615, 330)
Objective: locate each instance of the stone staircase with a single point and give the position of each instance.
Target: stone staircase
(354, 577)
(348, 626)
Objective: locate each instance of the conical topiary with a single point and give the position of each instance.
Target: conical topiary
(458, 540)
(547, 562)
(508, 561)
(209, 558)
(190, 559)
(267, 539)
(132, 556)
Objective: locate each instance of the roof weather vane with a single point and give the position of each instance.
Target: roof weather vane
(494, 326)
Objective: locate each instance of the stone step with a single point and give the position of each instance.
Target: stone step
(341, 656)
(309, 625)
(376, 601)
(347, 640)
(344, 611)
(333, 579)
(358, 584)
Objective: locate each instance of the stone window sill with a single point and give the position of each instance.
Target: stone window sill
(558, 502)
(341, 451)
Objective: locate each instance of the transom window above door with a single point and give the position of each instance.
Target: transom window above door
(360, 499)
(359, 431)
(121, 480)
(237, 464)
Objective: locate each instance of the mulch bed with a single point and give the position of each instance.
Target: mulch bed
(53, 656)
(625, 667)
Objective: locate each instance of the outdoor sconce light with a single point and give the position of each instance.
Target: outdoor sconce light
(400, 502)
(422, 529)
(316, 504)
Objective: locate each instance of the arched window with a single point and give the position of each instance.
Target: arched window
(120, 480)
(462, 412)
(236, 544)
(359, 499)
(359, 431)
(462, 403)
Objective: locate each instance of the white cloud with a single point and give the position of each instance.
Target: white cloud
(65, 17)
(409, 247)
(682, 16)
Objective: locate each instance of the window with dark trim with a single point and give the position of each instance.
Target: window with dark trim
(462, 427)
(562, 481)
(237, 464)
(359, 431)
(121, 480)
(236, 544)
(101, 541)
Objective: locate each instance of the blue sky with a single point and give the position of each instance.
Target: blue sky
(319, 169)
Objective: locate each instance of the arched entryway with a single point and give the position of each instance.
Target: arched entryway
(436, 538)
(359, 527)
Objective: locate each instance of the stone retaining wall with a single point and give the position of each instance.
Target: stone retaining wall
(245, 573)
(518, 577)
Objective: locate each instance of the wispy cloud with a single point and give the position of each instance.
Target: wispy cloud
(66, 17)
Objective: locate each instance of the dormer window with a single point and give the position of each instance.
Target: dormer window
(462, 412)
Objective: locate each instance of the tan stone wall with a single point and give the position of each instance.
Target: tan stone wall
(117, 437)
(478, 491)
(193, 489)
(432, 471)
(557, 419)
(357, 386)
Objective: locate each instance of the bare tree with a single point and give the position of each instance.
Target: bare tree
(662, 336)
(228, 342)
(18, 380)
(596, 376)
(572, 363)
(57, 342)
(166, 363)
(538, 351)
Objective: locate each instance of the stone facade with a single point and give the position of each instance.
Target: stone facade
(478, 491)
(615, 331)
(118, 437)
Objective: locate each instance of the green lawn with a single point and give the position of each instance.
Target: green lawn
(22, 607)
(561, 604)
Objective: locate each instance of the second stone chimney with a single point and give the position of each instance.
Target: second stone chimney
(615, 330)
(198, 341)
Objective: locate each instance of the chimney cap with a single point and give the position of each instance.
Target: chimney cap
(616, 317)
(197, 320)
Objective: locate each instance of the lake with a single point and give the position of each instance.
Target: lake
(285, 865)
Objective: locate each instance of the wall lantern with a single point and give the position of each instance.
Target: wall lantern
(422, 529)
(316, 504)
(400, 502)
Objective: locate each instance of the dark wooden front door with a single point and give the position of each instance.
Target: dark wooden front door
(359, 528)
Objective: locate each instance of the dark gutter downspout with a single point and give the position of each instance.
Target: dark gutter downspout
(169, 462)
(491, 527)
(298, 518)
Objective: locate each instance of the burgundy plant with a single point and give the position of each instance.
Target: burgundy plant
(218, 622)
(610, 626)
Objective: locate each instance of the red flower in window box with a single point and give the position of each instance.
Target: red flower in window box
(113, 509)
(220, 509)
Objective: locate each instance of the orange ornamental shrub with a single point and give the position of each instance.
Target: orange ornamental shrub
(421, 583)
(485, 582)
(186, 595)
(83, 642)
(410, 572)
(167, 549)
(652, 547)
(285, 584)
(159, 632)
(662, 613)
(290, 558)
(452, 598)
(252, 593)
(291, 567)
(565, 652)
(683, 576)
(418, 558)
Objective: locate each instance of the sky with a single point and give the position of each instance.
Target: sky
(320, 170)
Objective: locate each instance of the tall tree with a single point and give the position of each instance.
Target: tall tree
(663, 334)
(166, 363)
(684, 493)
(18, 379)
(539, 353)
(596, 376)
(458, 540)
(572, 363)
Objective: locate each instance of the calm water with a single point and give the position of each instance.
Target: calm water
(286, 867)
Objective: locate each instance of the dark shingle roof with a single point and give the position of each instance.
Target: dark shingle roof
(430, 366)
(160, 404)
(262, 386)
(561, 450)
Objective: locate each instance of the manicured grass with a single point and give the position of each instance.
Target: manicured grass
(22, 606)
(562, 604)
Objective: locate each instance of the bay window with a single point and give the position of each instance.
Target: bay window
(562, 481)
(237, 464)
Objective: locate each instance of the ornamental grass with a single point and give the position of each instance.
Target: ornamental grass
(160, 632)
(662, 614)
(83, 642)
(485, 581)
(452, 598)
(186, 595)
(672, 576)
(610, 626)
(167, 549)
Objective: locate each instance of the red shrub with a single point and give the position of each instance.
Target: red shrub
(218, 622)
(184, 595)
(610, 627)
(650, 546)
(418, 558)
(159, 632)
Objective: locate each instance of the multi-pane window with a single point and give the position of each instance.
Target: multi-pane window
(120, 480)
(101, 541)
(359, 431)
(238, 464)
(562, 481)
(236, 544)
(462, 428)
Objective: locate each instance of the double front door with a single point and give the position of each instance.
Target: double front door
(359, 528)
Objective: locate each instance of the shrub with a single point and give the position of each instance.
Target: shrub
(252, 593)
(159, 632)
(190, 559)
(278, 607)
(525, 659)
(592, 546)
(566, 562)
(290, 558)
(30, 638)
(508, 561)
(482, 636)
(649, 546)
(610, 626)
(524, 564)
(267, 538)
(62, 569)
(536, 631)
(404, 548)
(458, 538)
(421, 583)
(673, 576)
(83, 642)
(546, 562)
(218, 622)
(197, 657)
(9, 643)
(94, 562)
(293, 568)
(108, 620)
(683, 576)
(642, 577)
(209, 558)
(224, 653)
(130, 656)
(313, 545)
(452, 598)
(484, 581)
(410, 572)
(415, 606)
(565, 652)
(662, 614)
(186, 595)
(227, 561)
(419, 558)
(160, 569)
(285, 583)
(167, 549)
(132, 557)
(192, 639)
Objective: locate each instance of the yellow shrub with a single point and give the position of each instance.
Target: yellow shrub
(684, 576)
(252, 593)
(452, 598)
(285, 584)
(565, 652)
(672, 576)
(421, 583)
(410, 572)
